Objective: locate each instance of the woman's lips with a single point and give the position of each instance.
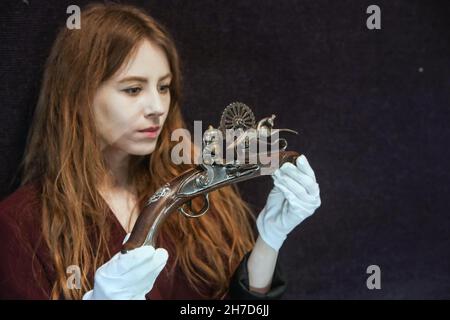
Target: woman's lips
(150, 132)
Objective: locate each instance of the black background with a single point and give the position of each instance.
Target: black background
(372, 107)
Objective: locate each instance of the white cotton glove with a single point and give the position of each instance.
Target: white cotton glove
(128, 276)
(294, 197)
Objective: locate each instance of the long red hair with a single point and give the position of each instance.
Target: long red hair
(63, 155)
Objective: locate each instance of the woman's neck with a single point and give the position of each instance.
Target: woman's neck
(119, 195)
(117, 162)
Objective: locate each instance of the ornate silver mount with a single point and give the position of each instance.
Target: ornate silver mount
(161, 192)
(240, 118)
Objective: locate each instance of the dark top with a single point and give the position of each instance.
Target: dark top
(26, 268)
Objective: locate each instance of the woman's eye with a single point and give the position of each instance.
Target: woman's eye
(164, 88)
(132, 91)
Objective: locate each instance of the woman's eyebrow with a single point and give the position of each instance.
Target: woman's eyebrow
(142, 79)
(169, 75)
(133, 78)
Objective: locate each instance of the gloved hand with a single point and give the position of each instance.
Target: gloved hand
(128, 276)
(294, 197)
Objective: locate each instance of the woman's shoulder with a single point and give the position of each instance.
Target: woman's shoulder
(22, 206)
(25, 266)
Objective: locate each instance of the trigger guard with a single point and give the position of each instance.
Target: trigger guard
(202, 211)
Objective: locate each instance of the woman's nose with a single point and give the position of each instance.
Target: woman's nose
(153, 105)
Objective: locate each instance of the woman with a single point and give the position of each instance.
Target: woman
(98, 147)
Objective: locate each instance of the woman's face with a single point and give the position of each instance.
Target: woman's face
(131, 107)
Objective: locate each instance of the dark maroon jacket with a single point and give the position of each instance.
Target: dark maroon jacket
(26, 269)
